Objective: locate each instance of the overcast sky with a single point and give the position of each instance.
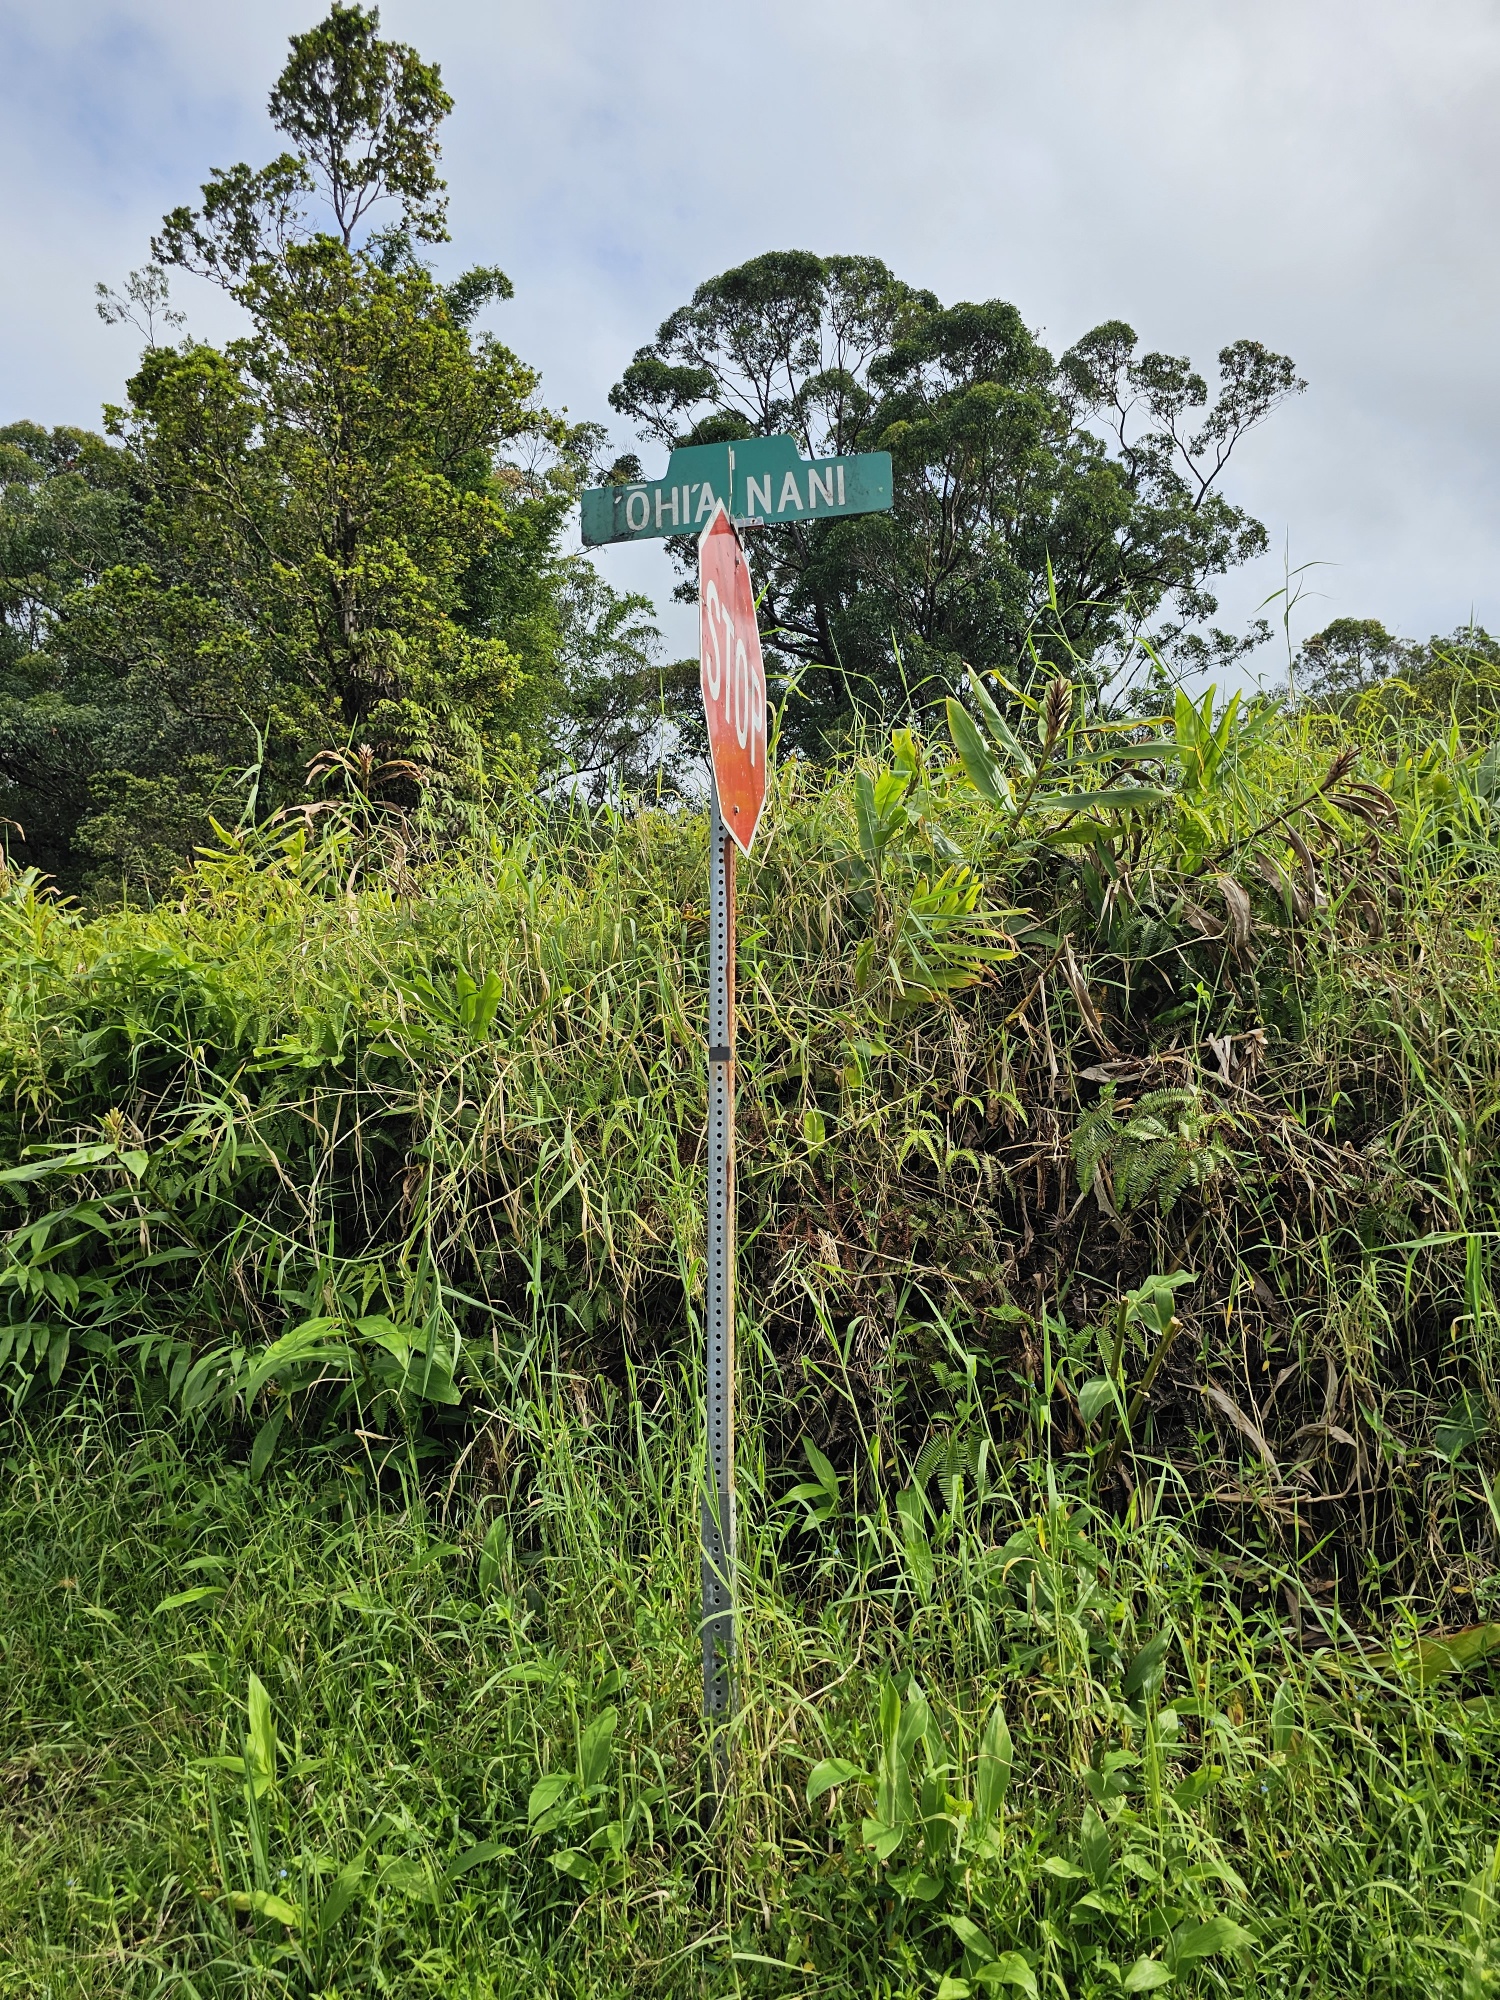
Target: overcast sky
(1318, 174)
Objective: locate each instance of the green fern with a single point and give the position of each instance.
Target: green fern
(1169, 1141)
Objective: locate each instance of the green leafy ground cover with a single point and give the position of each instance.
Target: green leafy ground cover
(1117, 1342)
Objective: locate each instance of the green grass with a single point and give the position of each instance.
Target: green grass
(429, 1656)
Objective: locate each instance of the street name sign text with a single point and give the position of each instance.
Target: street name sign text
(760, 482)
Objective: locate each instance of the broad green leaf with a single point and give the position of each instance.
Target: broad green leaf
(912, 1515)
(950, 1988)
(342, 1894)
(980, 768)
(425, 1372)
(1009, 1969)
(260, 1743)
(1442, 1652)
(575, 1865)
(996, 1759)
(1146, 1975)
(971, 1937)
(1095, 1849)
(265, 1442)
(1286, 1717)
(997, 725)
(890, 789)
(1195, 1941)
(1145, 1666)
(1195, 1787)
(1065, 1871)
(545, 1794)
(1100, 1902)
(57, 1354)
(866, 817)
(917, 1885)
(475, 1857)
(881, 1838)
(916, 1720)
(1465, 1424)
(72, 1161)
(199, 1594)
(890, 1715)
(261, 1903)
(1096, 1395)
(830, 1772)
(313, 1345)
(814, 1126)
(490, 1554)
(406, 1875)
(593, 1749)
(828, 1479)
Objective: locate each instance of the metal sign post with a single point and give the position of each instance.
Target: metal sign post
(719, 1546)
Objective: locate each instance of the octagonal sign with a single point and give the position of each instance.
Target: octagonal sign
(733, 678)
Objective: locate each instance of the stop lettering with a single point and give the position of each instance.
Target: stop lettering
(733, 678)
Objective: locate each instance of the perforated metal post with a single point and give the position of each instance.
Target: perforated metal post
(718, 1317)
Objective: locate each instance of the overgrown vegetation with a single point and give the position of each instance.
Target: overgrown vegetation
(1117, 1165)
(1117, 1198)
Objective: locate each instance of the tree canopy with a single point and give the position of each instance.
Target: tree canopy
(1355, 663)
(1077, 495)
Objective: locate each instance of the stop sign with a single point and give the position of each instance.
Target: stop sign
(733, 678)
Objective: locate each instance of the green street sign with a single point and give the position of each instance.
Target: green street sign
(763, 482)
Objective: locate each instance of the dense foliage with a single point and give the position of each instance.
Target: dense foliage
(1118, 1183)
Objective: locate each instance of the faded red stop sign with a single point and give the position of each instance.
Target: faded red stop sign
(733, 678)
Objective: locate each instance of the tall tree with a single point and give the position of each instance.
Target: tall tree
(67, 516)
(345, 525)
(1075, 495)
(330, 476)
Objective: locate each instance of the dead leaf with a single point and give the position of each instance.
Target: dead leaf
(1290, 891)
(1304, 855)
(1369, 909)
(1078, 987)
(1367, 802)
(1242, 1424)
(1238, 905)
(1322, 1429)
